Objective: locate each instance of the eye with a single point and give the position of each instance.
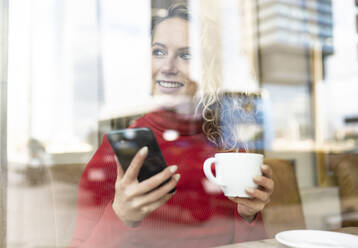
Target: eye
(185, 55)
(158, 52)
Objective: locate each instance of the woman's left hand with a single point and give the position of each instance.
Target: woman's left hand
(249, 207)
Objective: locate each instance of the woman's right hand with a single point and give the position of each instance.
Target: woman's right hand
(133, 200)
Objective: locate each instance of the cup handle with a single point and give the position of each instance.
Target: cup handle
(207, 170)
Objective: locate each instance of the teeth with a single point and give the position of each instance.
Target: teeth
(170, 84)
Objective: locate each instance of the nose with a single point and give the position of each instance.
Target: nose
(169, 66)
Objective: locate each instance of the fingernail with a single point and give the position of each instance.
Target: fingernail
(173, 168)
(176, 177)
(143, 151)
(250, 190)
(264, 167)
(257, 178)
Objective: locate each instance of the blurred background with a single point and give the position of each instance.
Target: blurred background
(74, 68)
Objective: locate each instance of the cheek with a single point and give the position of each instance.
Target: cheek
(155, 68)
(192, 88)
(154, 73)
(185, 70)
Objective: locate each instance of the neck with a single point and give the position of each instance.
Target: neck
(182, 105)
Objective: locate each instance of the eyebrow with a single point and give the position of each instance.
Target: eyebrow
(159, 44)
(164, 46)
(184, 49)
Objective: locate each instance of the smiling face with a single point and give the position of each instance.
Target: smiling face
(171, 59)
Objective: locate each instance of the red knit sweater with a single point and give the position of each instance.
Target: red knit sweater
(198, 215)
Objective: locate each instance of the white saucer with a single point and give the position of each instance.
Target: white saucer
(317, 239)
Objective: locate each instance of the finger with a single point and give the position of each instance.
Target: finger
(266, 170)
(120, 172)
(258, 194)
(249, 207)
(160, 192)
(232, 198)
(248, 202)
(235, 199)
(266, 183)
(156, 180)
(135, 165)
(154, 205)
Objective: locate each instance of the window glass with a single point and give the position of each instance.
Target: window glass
(144, 123)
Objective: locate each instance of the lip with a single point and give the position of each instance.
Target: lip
(169, 86)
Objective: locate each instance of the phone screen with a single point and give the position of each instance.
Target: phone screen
(127, 142)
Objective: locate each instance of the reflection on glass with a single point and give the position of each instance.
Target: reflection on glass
(191, 216)
(277, 77)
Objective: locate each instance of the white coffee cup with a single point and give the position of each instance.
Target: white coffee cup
(234, 171)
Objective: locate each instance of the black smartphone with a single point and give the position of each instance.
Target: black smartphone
(127, 142)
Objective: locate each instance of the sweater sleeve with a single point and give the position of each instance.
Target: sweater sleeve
(107, 232)
(95, 192)
(95, 219)
(245, 231)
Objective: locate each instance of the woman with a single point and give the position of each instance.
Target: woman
(115, 210)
